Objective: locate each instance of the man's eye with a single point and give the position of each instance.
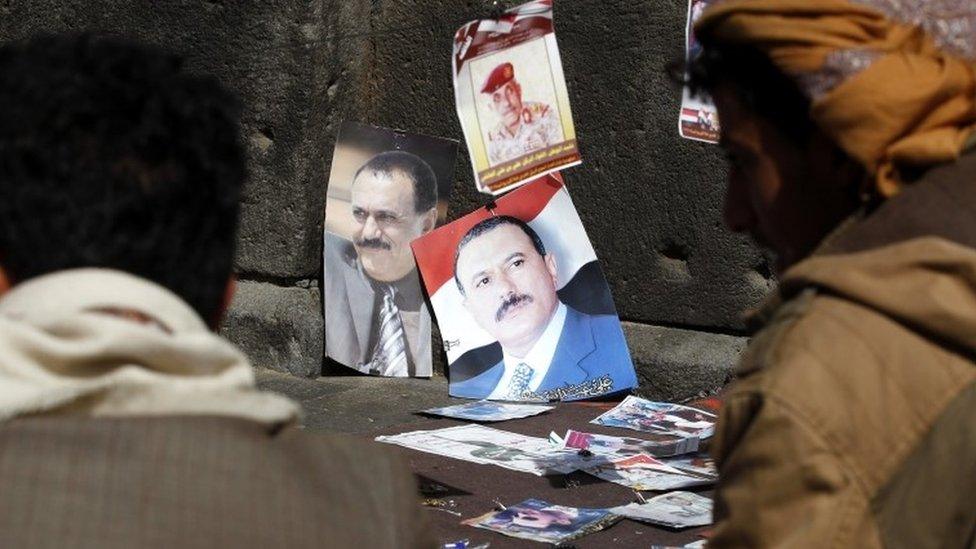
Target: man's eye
(483, 281)
(385, 218)
(518, 263)
(359, 215)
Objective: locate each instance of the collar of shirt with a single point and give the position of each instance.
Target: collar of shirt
(409, 297)
(539, 357)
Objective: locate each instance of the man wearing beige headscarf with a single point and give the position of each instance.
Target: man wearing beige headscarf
(124, 420)
(849, 127)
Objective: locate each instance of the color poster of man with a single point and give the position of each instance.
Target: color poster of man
(512, 98)
(521, 301)
(698, 119)
(386, 188)
(659, 417)
(541, 521)
(642, 472)
(484, 410)
(658, 445)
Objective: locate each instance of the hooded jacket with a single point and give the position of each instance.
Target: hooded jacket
(853, 419)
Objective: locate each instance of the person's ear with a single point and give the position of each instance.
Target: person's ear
(430, 220)
(5, 283)
(229, 290)
(551, 267)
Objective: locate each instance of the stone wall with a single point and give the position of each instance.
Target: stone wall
(650, 200)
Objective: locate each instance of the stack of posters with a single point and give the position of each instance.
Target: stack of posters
(522, 303)
(512, 99)
(541, 521)
(674, 510)
(386, 187)
(656, 444)
(660, 418)
(480, 444)
(643, 472)
(485, 410)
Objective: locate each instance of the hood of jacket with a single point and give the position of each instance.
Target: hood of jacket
(913, 258)
(105, 343)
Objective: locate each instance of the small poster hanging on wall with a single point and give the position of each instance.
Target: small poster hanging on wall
(698, 119)
(512, 98)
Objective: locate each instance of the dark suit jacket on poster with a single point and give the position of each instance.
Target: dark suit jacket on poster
(591, 348)
(351, 306)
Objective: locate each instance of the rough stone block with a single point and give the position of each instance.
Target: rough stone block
(650, 200)
(279, 328)
(275, 56)
(674, 365)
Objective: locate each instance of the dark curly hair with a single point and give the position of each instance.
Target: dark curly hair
(488, 224)
(419, 172)
(113, 156)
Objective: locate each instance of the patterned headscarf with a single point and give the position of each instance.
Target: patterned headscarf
(891, 81)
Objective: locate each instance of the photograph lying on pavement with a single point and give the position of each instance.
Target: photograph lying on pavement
(540, 521)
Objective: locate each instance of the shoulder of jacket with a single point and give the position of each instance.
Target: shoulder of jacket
(779, 323)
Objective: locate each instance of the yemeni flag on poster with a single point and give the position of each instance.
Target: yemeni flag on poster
(523, 306)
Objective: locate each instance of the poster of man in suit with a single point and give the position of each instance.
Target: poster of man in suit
(386, 188)
(523, 306)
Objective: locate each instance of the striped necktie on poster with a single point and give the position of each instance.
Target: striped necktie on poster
(520, 381)
(390, 354)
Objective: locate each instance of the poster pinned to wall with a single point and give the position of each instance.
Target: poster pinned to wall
(386, 187)
(512, 99)
(698, 119)
(523, 306)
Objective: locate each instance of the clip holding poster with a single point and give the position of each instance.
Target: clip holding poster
(512, 99)
(698, 119)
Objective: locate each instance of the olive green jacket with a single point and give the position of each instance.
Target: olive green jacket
(853, 419)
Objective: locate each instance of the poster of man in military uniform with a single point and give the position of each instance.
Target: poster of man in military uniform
(512, 98)
(523, 126)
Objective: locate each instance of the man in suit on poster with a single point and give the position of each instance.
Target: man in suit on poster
(377, 320)
(550, 350)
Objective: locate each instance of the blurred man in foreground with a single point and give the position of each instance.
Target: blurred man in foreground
(125, 421)
(849, 131)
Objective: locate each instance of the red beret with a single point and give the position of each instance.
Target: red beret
(500, 76)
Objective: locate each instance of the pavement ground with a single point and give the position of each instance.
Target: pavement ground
(370, 406)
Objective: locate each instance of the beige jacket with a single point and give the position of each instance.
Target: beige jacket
(853, 419)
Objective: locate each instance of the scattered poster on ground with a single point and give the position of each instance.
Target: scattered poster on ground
(485, 410)
(657, 445)
(698, 465)
(541, 521)
(512, 99)
(523, 307)
(674, 510)
(643, 472)
(480, 444)
(659, 417)
(698, 119)
(386, 187)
